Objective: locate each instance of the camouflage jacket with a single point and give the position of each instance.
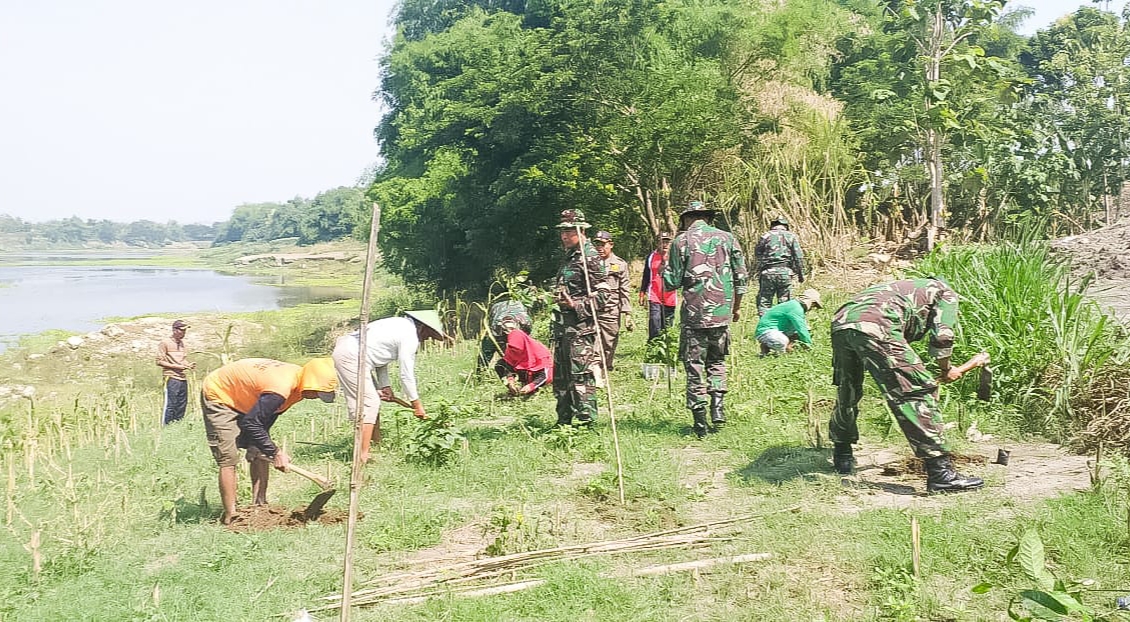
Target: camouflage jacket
(619, 295)
(507, 311)
(707, 263)
(907, 309)
(779, 248)
(571, 280)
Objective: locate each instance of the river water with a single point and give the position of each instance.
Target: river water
(35, 298)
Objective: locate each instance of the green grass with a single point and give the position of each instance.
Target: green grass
(1047, 340)
(128, 531)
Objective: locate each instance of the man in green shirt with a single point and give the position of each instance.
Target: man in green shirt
(783, 324)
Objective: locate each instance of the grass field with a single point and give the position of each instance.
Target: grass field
(108, 516)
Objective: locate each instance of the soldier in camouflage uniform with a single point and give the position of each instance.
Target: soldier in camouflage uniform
(580, 289)
(778, 258)
(873, 332)
(501, 317)
(619, 302)
(707, 263)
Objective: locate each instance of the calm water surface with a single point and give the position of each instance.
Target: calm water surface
(77, 298)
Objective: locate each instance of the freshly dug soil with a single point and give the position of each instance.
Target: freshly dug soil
(1104, 251)
(266, 517)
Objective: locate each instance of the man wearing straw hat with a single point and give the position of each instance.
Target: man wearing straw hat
(707, 263)
(783, 325)
(386, 340)
(241, 401)
(580, 290)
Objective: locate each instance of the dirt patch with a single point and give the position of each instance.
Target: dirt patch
(266, 517)
(1104, 252)
(886, 478)
(703, 475)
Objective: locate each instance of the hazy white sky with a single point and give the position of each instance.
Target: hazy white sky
(132, 109)
(1047, 11)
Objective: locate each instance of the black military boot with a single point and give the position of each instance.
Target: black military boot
(941, 477)
(842, 458)
(717, 413)
(699, 422)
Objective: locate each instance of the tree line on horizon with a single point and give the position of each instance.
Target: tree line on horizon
(889, 119)
(331, 215)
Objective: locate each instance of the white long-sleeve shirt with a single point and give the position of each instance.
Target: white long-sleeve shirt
(394, 339)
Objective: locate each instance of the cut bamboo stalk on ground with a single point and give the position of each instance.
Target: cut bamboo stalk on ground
(518, 586)
(409, 583)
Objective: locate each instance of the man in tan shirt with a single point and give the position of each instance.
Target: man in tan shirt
(171, 359)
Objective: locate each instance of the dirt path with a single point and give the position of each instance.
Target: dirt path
(891, 478)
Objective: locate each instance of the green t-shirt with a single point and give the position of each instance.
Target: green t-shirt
(787, 317)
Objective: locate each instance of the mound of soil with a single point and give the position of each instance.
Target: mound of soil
(266, 517)
(1104, 252)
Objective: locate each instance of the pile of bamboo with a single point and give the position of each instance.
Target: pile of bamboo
(467, 578)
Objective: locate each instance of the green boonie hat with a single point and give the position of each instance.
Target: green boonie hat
(428, 318)
(572, 218)
(696, 207)
(780, 220)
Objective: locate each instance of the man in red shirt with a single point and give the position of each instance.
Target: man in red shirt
(661, 303)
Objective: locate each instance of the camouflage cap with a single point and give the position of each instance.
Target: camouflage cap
(697, 207)
(602, 236)
(572, 218)
(663, 235)
(780, 220)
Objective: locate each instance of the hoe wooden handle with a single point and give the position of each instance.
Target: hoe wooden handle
(978, 360)
(310, 475)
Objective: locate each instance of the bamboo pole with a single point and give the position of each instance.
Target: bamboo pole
(355, 479)
(915, 547)
(603, 365)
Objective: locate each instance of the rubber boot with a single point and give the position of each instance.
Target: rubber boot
(842, 458)
(941, 477)
(717, 413)
(699, 422)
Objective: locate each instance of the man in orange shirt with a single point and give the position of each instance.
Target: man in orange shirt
(241, 401)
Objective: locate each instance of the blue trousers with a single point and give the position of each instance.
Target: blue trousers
(176, 399)
(659, 317)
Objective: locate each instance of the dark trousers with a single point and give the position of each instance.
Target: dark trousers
(659, 317)
(176, 399)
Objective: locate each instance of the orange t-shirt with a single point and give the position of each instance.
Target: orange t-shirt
(240, 384)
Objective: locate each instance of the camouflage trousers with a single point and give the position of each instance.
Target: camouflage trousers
(774, 282)
(908, 388)
(609, 326)
(703, 351)
(574, 354)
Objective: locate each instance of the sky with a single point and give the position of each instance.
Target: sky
(135, 109)
(1047, 11)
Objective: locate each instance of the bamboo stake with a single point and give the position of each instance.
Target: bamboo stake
(11, 487)
(355, 479)
(603, 365)
(915, 547)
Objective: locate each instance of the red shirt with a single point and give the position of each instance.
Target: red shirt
(524, 353)
(653, 280)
